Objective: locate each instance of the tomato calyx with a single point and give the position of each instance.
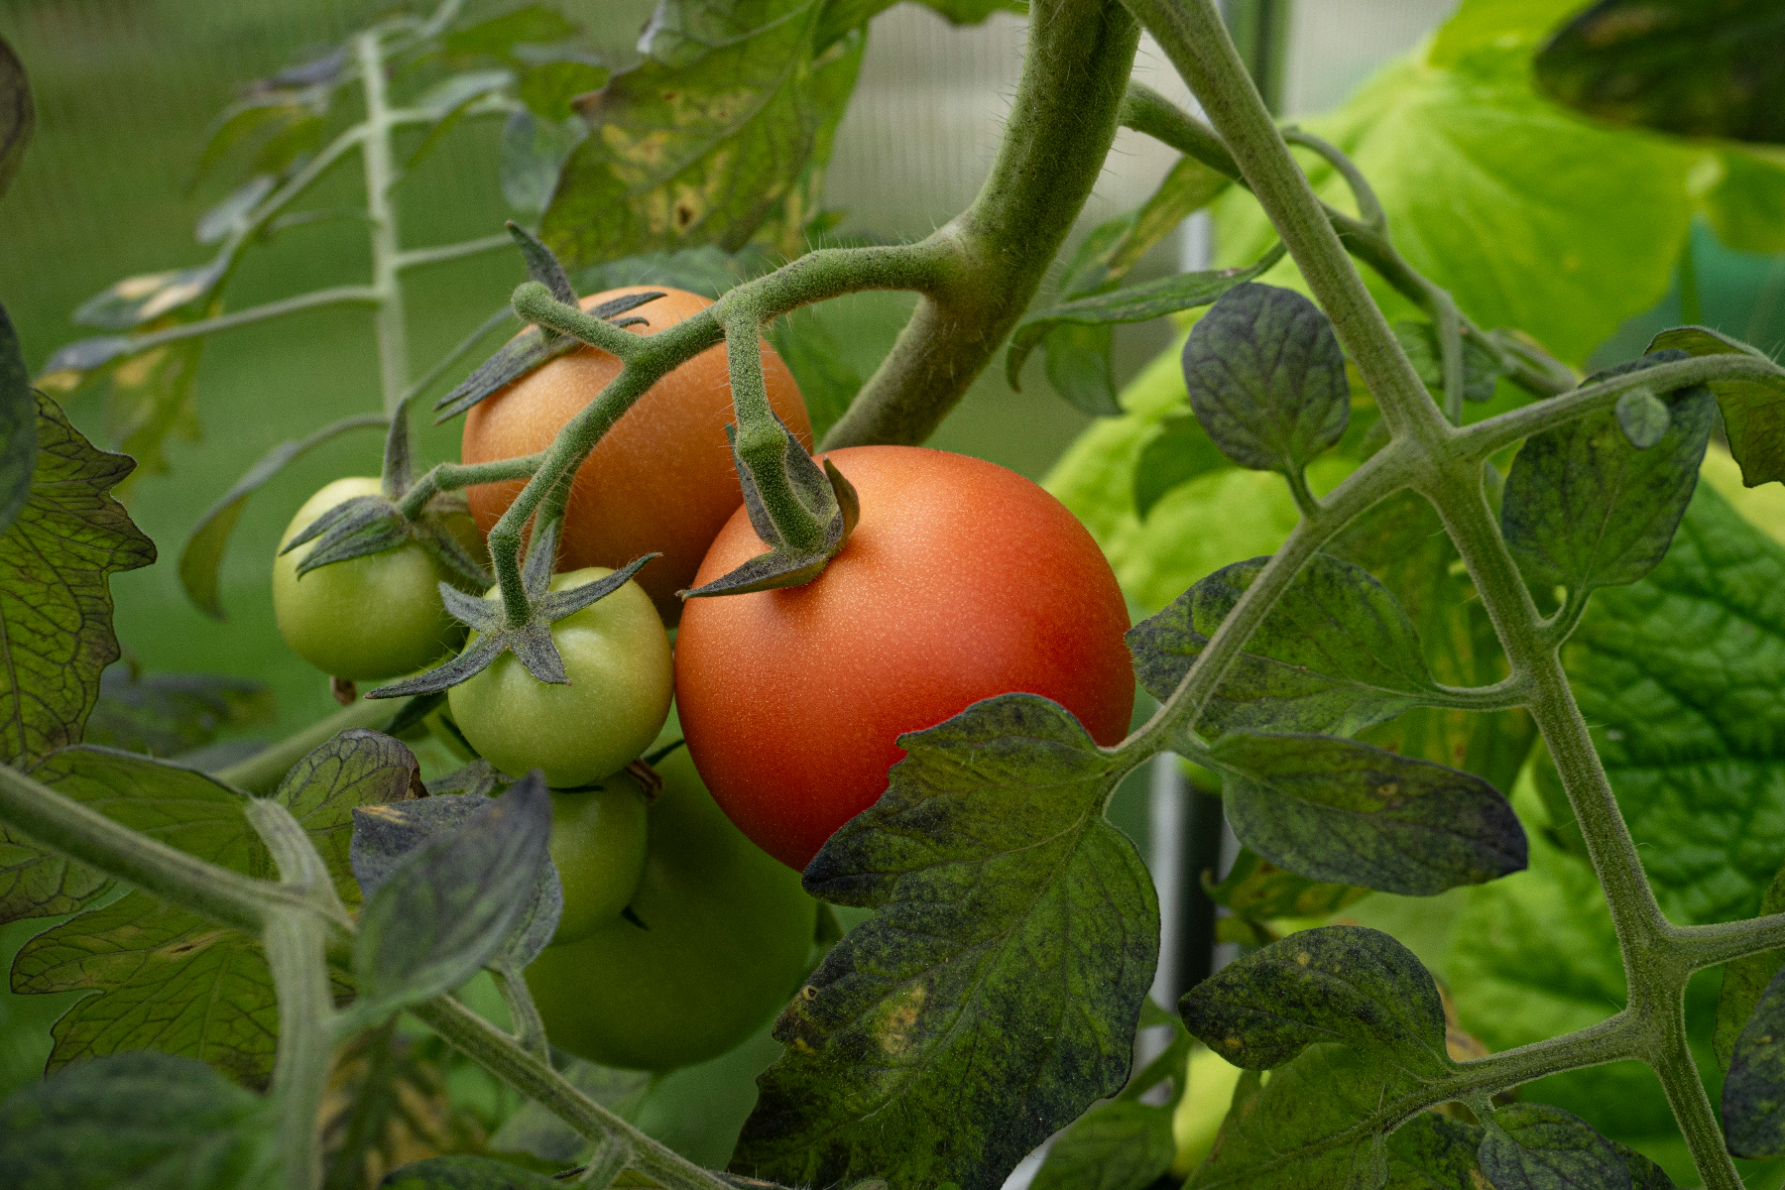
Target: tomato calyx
(373, 524)
(802, 512)
(531, 640)
(538, 344)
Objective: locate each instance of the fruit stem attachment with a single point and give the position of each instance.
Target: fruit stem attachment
(535, 303)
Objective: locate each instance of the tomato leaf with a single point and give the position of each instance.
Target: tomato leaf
(1267, 379)
(1675, 674)
(1744, 980)
(448, 904)
(1743, 204)
(1674, 65)
(461, 1171)
(1336, 654)
(1177, 454)
(56, 560)
(168, 714)
(1120, 1146)
(1754, 1092)
(701, 141)
(1259, 890)
(1000, 978)
(1334, 983)
(1585, 508)
(137, 1121)
(1347, 813)
(201, 558)
(1533, 1146)
(1753, 407)
(17, 114)
(165, 977)
(18, 424)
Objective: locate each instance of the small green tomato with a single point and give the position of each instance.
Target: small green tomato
(598, 844)
(617, 657)
(375, 616)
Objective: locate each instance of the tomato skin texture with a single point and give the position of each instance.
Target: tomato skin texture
(598, 845)
(375, 616)
(616, 655)
(963, 581)
(662, 479)
(729, 934)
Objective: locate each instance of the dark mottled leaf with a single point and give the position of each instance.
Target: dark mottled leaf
(167, 714)
(17, 114)
(1267, 379)
(1753, 407)
(1745, 979)
(1533, 1146)
(18, 409)
(1347, 813)
(998, 984)
(354, 770)
(1257, 889)
(201, 558)
(1679, 675)
(1136, 303)
(461, 1171)
(1481, 370)
(1335, 983)
(1121, 1146)
(1644, 1173)
(1754, 1091)
(141, 1121)
(1434, 1152)
(1585, 508)
(1177, 454)
(1686, 66)
(700, 142)
(55, 599)
(1335, 655)
(448, 904)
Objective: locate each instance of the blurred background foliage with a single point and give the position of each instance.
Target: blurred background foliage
(125, 92)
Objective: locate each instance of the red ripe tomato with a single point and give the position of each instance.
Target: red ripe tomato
(963, 581)
(661, 479)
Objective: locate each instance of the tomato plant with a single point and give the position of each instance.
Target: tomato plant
(1433, 594)
(374, 616)
(714, 944)
(962, 581)
(660, 481)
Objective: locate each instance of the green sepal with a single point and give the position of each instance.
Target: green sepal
(811, 498)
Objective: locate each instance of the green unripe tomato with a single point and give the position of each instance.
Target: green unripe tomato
(728, 931)
(617, 657)
(375, 616)
(598, 844)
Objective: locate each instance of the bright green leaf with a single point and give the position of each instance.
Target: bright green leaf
(1336, 654)
(1681, 66)
(1257, 889)
(1120, 1146)
(1000, 979)
(1753, 406)
(1339, 811)
(1745, 204)
(1585, 509)
(142, 1121)
(1180, 452)
(56, 560)
(1331, 984)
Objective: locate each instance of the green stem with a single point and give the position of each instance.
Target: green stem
(1486, 437)
(1062, 122)
(416, 258)
(449, 477)
(381, 178)
(529, 1029)
(533, 302)
(266, 768)
(1685, 1092)
(341, 295)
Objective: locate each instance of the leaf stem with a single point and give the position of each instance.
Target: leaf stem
(381, 177)
(1062, 122)
(266, 768)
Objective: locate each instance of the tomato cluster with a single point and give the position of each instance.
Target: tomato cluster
(685, 925)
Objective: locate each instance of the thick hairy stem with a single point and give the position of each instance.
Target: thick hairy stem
(1062, 122)
(381, 177)
(1672, 1061)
